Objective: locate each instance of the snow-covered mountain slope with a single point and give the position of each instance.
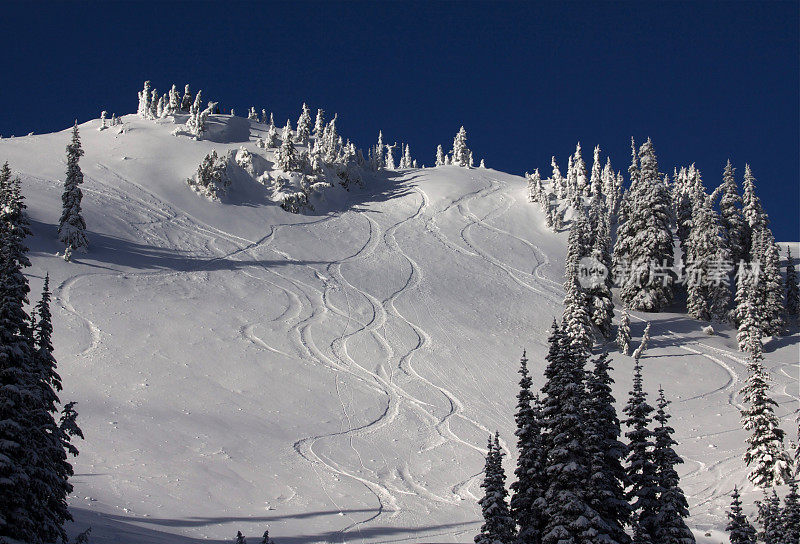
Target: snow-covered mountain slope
(332, 377)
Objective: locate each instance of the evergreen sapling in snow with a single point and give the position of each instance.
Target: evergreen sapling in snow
(739, 529)
(498, 526)
(71, 226)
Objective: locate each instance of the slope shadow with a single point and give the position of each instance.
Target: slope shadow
(108, 252)
(115, 529)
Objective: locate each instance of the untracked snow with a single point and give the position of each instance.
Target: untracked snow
(332, 376)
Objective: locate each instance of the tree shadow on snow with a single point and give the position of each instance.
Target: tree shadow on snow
(119, 529)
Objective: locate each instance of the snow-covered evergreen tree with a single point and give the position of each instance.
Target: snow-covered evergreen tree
(186, 101)
(145, 107)
(601, 305)
(461, 153)
(751, 204)
(673, 508)
(304, 125)
(731, 217)
(286, 157)
(790, 514)
(740, 531)
(174, 103)
(17, 515)
(440, 160)
(605, 488)
(769, 515)
(624, 333)
(769, 282)
(706, 261)
(595, 180)
(71, 226)
(769, 463)
(319, 124)
(272, 137)
(638, 352)
(389, 158)
(498, 526)
(211, 178)
(527, 507)
(581, 178)
(644, 241)
(559, 186)
(286, 134)
(641, 468)
(576, 321)
(791, 288)
(567, 509)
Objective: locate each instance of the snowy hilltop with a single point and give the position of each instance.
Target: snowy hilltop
(265, 327)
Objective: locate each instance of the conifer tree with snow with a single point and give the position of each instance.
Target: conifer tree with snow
(740, 530)
(769, 515)
(791, 288)
(706, 260)
(624, 333)
(567, 466)
(71, 226)
(644, 240)
(286, 158)
(52, 441)
(752, 210)
(596, 178)
(17, 507)
(461, 153)
(559, 186)
(174, 104)
(731, 217)
(304, 125)
(319, 124)
(407, 160)
(389, 165)
(527, 506)
(576, 322)
(287, 130)
(272, 137)
(769, 282)
(673, 508)
(145, 107)
(790, 514)
(440, 160)
(600, 301)
(768, 461)
(581, 179)
(498, 526)
(187, 100)
(605, 487)
(642, 473)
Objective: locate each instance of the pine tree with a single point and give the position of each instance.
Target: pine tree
(708, 290)
(601, 305)
(769, 284)
(558, 181)
(731, 218)
(790, 515)
(272, 137)
(624, 333)
(286, 158)
(71, 226)
(581, 179)
(498, 527)
(144, 102)
(266, 539)
(595, 181)
(792, 289)
(769, 463)
(751, 204)
(319, 124)
(440, 159)
(769, 515)
(389, 158)
(287, 130)
(51, 471)
(174, 104)
(186, 101)
(304, 125)
(460, 151)
(567, 467)
(605, 487)
(641, 468)
(17, 397)
(528, 490)
(739, 527)
(746, 314)
(644, 240)
(673, 508)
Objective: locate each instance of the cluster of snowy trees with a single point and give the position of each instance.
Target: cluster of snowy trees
(576, 481)
(722, 235)
(35, 436)
(211, 178)
(460, 155)
(780, 524)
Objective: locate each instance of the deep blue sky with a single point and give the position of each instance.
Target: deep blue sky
(707, 81)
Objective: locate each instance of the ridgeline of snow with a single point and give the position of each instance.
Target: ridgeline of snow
(331, 376)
